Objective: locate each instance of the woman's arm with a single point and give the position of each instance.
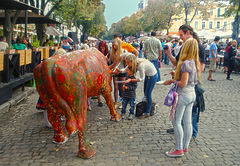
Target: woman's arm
(182, 83)
(136, 52)
(184, 80)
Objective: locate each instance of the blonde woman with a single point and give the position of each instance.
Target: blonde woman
(187, 74)
(117, 60)
(148, 74)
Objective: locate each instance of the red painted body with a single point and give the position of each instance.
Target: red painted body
(64, 83)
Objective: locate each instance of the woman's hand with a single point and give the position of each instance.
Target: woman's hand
(172, 72)
(124, 87)
(167, 82)
(128, 80)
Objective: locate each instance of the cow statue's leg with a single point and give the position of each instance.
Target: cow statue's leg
(109, 100)
(55, 119)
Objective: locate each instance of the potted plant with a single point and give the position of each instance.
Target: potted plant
(36, 44)
(10, 50)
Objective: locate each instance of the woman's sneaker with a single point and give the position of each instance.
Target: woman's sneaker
(130, 117)
(185, 150)
(175, 153)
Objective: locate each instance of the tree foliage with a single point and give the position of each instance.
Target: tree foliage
(88, 13)
(157, 16)
(233, 9)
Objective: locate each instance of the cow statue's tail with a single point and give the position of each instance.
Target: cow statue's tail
(55, 104)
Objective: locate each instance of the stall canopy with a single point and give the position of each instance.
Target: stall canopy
(33, 18)
(52, 31)
(15, 5)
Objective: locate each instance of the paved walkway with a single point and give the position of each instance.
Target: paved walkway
(24, 139)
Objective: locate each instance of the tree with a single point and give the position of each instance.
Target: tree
(82, 12)
(10, 20)
(233, 9)
(196, 6)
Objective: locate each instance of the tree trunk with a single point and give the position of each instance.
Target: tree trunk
(7, 26)
(236, 25)
(41, 29)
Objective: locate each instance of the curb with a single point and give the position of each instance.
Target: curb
(14, 101)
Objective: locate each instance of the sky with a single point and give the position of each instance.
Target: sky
(117, 9)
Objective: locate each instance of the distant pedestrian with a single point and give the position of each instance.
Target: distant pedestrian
(152, 48)
(19, 45)
(187, 75)
(129, 95)
(213, 57)
(225, 61)
(231, 58)
(3, 44)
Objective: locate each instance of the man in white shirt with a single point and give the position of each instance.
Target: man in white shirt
(152, 48)
(3, 44)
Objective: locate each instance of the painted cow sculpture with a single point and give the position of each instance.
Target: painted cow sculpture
(64, 83)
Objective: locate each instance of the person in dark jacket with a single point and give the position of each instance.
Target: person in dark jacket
(129, 95)
(231, 58)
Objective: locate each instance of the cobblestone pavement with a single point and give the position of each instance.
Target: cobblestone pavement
(24, 139)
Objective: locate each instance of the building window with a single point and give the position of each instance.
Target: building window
(218, 12)
(218, 24)
(211, 12)
(225, 25)
(210, 25)
(196, 13)
(196, 24)
(203, 25)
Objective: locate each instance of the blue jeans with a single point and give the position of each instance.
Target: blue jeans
(156, 64)
(195, 120)
(166, 59)
(125, 103)
(140, 55)
(149, 84)
(184, 113)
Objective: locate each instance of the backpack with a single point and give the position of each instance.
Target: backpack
(170, 98)
(142, 106)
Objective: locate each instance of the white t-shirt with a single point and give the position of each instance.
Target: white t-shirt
(3, 46)
(145, 68)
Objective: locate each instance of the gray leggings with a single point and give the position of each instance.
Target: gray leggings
(184, 112)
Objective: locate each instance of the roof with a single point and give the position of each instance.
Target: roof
(15, 5)
(32, 18)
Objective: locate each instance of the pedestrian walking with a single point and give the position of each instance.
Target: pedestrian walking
(153, 52)
(129, 95)
(231, 58)
(213, 58)
(187, 75)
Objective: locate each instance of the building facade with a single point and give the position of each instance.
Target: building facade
(215, 25)
(142, 4)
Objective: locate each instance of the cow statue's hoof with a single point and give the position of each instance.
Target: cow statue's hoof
(60, 139)
(86, 154)
(116, 118)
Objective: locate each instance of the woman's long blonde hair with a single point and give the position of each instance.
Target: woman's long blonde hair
(188, 52)
(135, 61)
(115, 53)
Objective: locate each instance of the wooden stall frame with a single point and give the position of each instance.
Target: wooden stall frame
(22, 57)
(45, 52)
(1, 61)
(28, 57)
